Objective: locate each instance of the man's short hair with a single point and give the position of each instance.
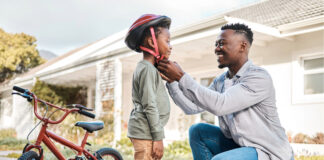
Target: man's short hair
(241, 29)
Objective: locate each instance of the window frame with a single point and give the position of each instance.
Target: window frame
(298, 79)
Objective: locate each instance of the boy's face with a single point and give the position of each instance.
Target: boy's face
(163, 41)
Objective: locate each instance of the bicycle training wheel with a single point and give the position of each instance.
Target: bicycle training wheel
(108, 154)
(30, 155)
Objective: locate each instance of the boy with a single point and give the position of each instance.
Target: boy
(149, 34)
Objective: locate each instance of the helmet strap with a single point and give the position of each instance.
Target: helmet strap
(155, 53)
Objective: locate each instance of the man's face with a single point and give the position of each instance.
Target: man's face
(228, 48)
(163, 41)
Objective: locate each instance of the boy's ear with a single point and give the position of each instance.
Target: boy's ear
(150, 42)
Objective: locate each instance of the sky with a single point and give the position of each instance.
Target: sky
(63, 25)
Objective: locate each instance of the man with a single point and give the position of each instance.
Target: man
(243, 98)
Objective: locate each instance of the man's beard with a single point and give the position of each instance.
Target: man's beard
(222, 66)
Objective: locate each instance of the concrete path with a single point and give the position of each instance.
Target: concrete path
(3, 155)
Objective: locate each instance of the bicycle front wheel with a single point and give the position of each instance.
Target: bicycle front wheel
(30, 155)
(108, 154)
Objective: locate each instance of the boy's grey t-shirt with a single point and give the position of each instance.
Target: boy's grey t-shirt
(151, 103)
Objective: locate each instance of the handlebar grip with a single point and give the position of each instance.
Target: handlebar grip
(88, 114)
(21, 90)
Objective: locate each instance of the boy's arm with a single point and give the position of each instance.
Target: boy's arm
(181, 100)
(148, 89)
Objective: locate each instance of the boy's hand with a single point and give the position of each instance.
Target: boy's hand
(157, 152)
(170, 69)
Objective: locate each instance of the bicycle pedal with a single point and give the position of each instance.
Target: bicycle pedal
(80, 158)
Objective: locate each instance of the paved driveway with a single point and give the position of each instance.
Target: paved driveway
(3, 155)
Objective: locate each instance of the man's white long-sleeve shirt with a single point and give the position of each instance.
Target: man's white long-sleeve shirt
(248, 105)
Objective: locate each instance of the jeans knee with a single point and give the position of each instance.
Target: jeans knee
(194, 131)
(217, 158)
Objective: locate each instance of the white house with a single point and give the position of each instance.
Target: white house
(288, 43)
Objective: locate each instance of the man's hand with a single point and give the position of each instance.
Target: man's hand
(157, 152)
(165, 78)
(171, 70)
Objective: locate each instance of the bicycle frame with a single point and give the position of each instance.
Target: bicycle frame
(45, 135)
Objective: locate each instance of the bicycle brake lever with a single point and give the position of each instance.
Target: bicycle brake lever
(16, 93)
(25, 95)
(29, 98)
(80, 107)
(69, 106)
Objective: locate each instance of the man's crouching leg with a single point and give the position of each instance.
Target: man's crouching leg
(207, 140)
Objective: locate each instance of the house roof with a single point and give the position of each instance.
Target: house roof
(278, 12)
(272, 13)
(50, 62)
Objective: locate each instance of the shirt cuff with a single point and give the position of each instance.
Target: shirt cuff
(186, 81)
(157, 136)
(173, 87)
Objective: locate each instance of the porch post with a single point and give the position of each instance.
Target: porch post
(91, 86)
(98, 104)
(117, 98)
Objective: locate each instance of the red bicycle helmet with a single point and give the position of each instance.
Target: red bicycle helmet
(136, 31)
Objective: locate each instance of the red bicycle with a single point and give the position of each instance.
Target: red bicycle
(45, 135)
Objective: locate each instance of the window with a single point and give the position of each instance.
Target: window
(313, 75)
(206, 116)
(308, 79)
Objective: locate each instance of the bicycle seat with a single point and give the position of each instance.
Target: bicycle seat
(91, 126)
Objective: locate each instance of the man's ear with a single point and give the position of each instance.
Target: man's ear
(244, 46)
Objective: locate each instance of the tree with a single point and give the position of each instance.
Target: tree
(18, 54)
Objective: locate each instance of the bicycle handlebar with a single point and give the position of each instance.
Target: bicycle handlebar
(21, 90)
(27, 94)
(88, 114)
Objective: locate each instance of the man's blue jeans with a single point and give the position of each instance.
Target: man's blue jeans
(207, 142)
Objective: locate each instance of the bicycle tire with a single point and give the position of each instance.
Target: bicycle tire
(30, 155)
(108, 153)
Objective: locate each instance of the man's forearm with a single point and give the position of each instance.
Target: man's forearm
(251, 90)
(181, 100)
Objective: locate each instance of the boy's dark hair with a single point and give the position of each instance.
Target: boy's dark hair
(241, 29)
(157, 31)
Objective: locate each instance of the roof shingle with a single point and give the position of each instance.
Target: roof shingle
(278, 12)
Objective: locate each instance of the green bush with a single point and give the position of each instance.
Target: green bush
(178, 150)
(5, 133)
(14, 155)
(8, 140)
(175, 150)
(59, 95)
(310, 158)
(12, 143)
(125, 147)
